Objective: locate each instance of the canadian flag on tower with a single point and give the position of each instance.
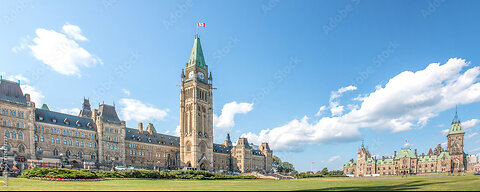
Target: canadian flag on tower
(200, 24)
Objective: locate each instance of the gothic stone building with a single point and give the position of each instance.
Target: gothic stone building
(440, 160)
(99, 136)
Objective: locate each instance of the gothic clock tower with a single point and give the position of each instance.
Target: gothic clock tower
(196, 113)
(455, 145)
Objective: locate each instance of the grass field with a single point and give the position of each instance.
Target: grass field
(390, 183)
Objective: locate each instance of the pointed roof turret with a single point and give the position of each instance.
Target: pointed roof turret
(11, 90)
(456, 126)
(86, 109)
(108, 112)
(196, 57)
(227, 142)
(45, 107)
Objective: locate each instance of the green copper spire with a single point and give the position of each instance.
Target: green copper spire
(456, 126)
(196, 57)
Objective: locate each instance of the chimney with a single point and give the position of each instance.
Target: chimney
(140, 127)
(394, 154)
(383, 158)
(415, 152)
(27, 97)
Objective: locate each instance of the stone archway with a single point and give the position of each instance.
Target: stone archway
(203, 166)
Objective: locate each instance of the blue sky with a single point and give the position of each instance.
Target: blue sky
(274, 62)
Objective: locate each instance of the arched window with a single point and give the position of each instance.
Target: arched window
(189, 147)
(21, 148)
(80, 154)
(7, 134)
(203, 147)
(20, 135)
(36, 137)
(55, 152)
(92, 156)
(68, 153)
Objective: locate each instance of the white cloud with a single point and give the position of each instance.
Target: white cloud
(59, 50)
(407, 101)
(24, 42)
(229, 110)
(335, 108)
(72, 111)
(320, 111)
(73, 32)
(177, 130)
(445, 132)
(470, 123)
(469, 136)
(334, 158)
(444, 144)
(126, 92)
(35, 94)
(475, 150)
(133, 109)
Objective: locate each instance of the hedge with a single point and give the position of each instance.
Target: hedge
(42, 172)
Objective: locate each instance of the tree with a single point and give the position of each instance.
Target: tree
(276, 163)
(325, 171)
(282, 167)
(285, 167)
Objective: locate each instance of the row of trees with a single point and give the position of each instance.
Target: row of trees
(285, 167)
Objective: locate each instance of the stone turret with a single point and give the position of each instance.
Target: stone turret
(150, 129)
(86, 109)
(227, 142)
(243, 142)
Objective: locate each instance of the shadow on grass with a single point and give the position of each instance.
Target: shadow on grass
(413, 185)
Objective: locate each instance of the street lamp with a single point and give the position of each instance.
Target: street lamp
(61, 160)
(113, 166)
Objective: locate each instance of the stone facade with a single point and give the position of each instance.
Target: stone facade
(473, 163)
(440, 160)
(98, 136)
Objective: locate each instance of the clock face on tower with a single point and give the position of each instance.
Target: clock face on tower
(190, 75)
(201, 75)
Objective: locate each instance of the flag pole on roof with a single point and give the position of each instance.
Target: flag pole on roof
(199, 25)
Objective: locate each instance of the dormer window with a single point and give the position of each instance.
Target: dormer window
(66, 121)
(78, 123)
(54, 120)
(40, 118)
(89, 125)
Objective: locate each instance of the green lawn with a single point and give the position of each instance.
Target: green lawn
(391, 183)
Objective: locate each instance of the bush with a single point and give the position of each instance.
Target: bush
(139, 174)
